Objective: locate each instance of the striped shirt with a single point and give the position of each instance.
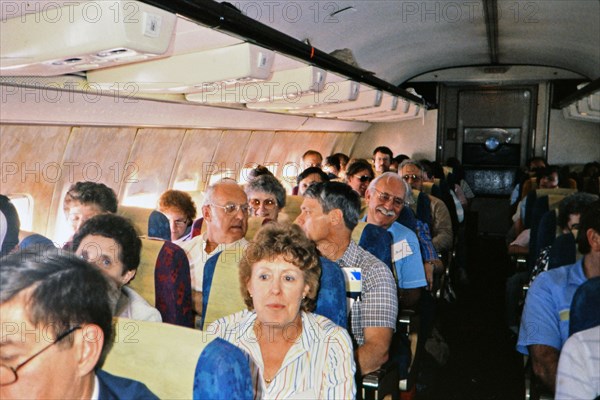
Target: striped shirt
(578, 375)
(319, 365)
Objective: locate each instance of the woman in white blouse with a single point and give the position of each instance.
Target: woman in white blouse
(293, 353)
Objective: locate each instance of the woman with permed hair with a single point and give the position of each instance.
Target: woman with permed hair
(180, 209)
(279, 279)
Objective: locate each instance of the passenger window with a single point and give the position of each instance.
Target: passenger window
(186, 184)
(224, 174)
(24, 205)
(143, 200)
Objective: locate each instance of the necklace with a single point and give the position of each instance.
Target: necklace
(267, 380)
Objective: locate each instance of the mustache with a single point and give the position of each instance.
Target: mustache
(385, 211)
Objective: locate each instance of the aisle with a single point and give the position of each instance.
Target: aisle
(483, 364)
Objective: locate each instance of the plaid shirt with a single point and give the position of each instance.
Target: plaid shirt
(377, 305)
(427, 250)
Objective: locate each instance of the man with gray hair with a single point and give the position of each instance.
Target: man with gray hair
(225, 213)
(56, 319)
(385, 200)
(329, 213)
(441, 229)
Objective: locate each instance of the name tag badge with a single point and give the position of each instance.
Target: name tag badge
(353, 281)
(401, 249)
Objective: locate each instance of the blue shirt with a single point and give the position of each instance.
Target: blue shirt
(545, 317)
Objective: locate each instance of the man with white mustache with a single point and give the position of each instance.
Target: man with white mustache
(385, 199)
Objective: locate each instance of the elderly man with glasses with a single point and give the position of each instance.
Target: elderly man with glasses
(441, 230)
(385, 200)
(56, 318)
(225, 213)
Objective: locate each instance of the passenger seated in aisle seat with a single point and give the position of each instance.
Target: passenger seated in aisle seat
(180, 209)
(293, 353)
(329, 214)
(309, 176)
(358, 175)
(225, 212)
(441, 231)
(266, 197)
(545, 321)
(385, 200)
(547, 178)
(9, 226)
(87, 199)
(111, 243)
(56, 317)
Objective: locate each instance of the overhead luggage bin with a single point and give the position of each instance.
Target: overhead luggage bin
(80, 36)
(285, 84)
(191, 72)
(367, 98)
(387, 104)
(336, 90)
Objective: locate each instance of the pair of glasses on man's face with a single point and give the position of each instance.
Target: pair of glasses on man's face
(269, 204)
(411, 176)
(385, 197)
(8, 375)
(364, 178)
(232, 208)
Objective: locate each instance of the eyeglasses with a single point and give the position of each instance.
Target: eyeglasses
(411, 176)
(181, 222)
(385, 197)
(364, 178)
(269, 204)
(232, 208)
(8, 375)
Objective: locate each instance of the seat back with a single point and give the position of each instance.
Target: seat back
(563, 251)
(35, 241)
(178, 363)
(221, 294)
(292, 208)
(585, 313)
(163, 280)
(158, 226)
(546, 230)
(222, 366)
(375, 240)
(198, 227)
(138, 216)
(408, 218)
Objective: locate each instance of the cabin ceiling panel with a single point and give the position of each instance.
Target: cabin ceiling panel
(197, 154)
(552, 32)
(151, 162)
(32, 164)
